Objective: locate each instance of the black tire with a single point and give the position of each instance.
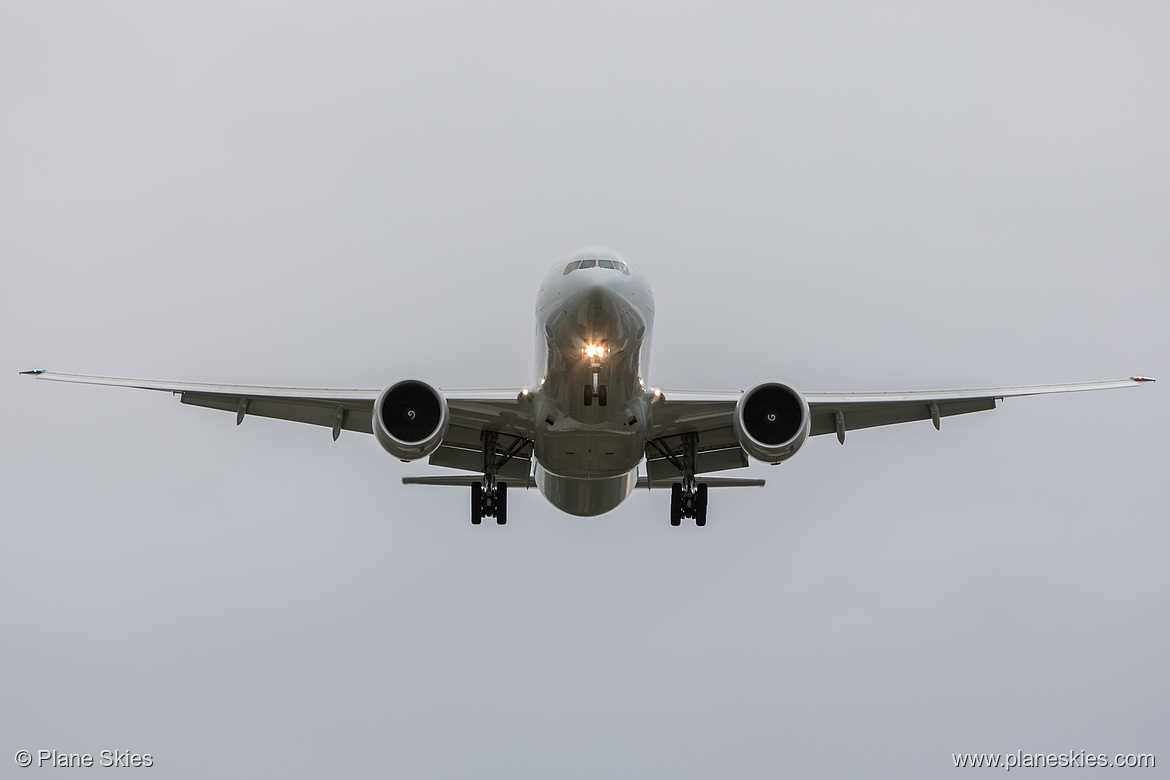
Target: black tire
(701, 504)
(602, 396)
(588, 395)
(476, 502)
(501, 503)
(676, 504)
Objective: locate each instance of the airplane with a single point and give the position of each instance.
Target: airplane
(581, 431)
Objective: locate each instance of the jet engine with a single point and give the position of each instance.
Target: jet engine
(410, 419)
(771, 422)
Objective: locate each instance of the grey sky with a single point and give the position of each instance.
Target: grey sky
(842, 197)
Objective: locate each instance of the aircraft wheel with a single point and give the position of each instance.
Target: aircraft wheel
(501, 503)
(676, 504)
(588, 395)
(701, 504)
(476, 503)
(602, 395)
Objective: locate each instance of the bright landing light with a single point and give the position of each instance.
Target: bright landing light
(592, 350)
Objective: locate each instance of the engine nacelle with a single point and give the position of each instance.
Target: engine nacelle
(772, 422)
(410, 419)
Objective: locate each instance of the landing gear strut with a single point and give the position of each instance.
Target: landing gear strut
(490, 498)
(688, 499)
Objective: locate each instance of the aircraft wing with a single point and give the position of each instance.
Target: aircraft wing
(472, 411)
(871, 409)
(709, 414)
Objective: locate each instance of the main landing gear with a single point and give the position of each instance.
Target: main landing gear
(688, 499)
(490, 498)
(489, 501)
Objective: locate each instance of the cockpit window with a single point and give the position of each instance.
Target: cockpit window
(616, 265)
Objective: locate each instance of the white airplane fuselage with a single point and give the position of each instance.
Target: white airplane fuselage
(591, 397)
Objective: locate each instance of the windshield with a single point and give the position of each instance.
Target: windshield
(613, 265)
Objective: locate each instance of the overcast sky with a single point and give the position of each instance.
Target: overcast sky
(841, 196)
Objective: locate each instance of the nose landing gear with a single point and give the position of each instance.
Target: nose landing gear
(597, 390)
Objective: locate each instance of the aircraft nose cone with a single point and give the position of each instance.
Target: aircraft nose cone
(596, 291)
(594, 299)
